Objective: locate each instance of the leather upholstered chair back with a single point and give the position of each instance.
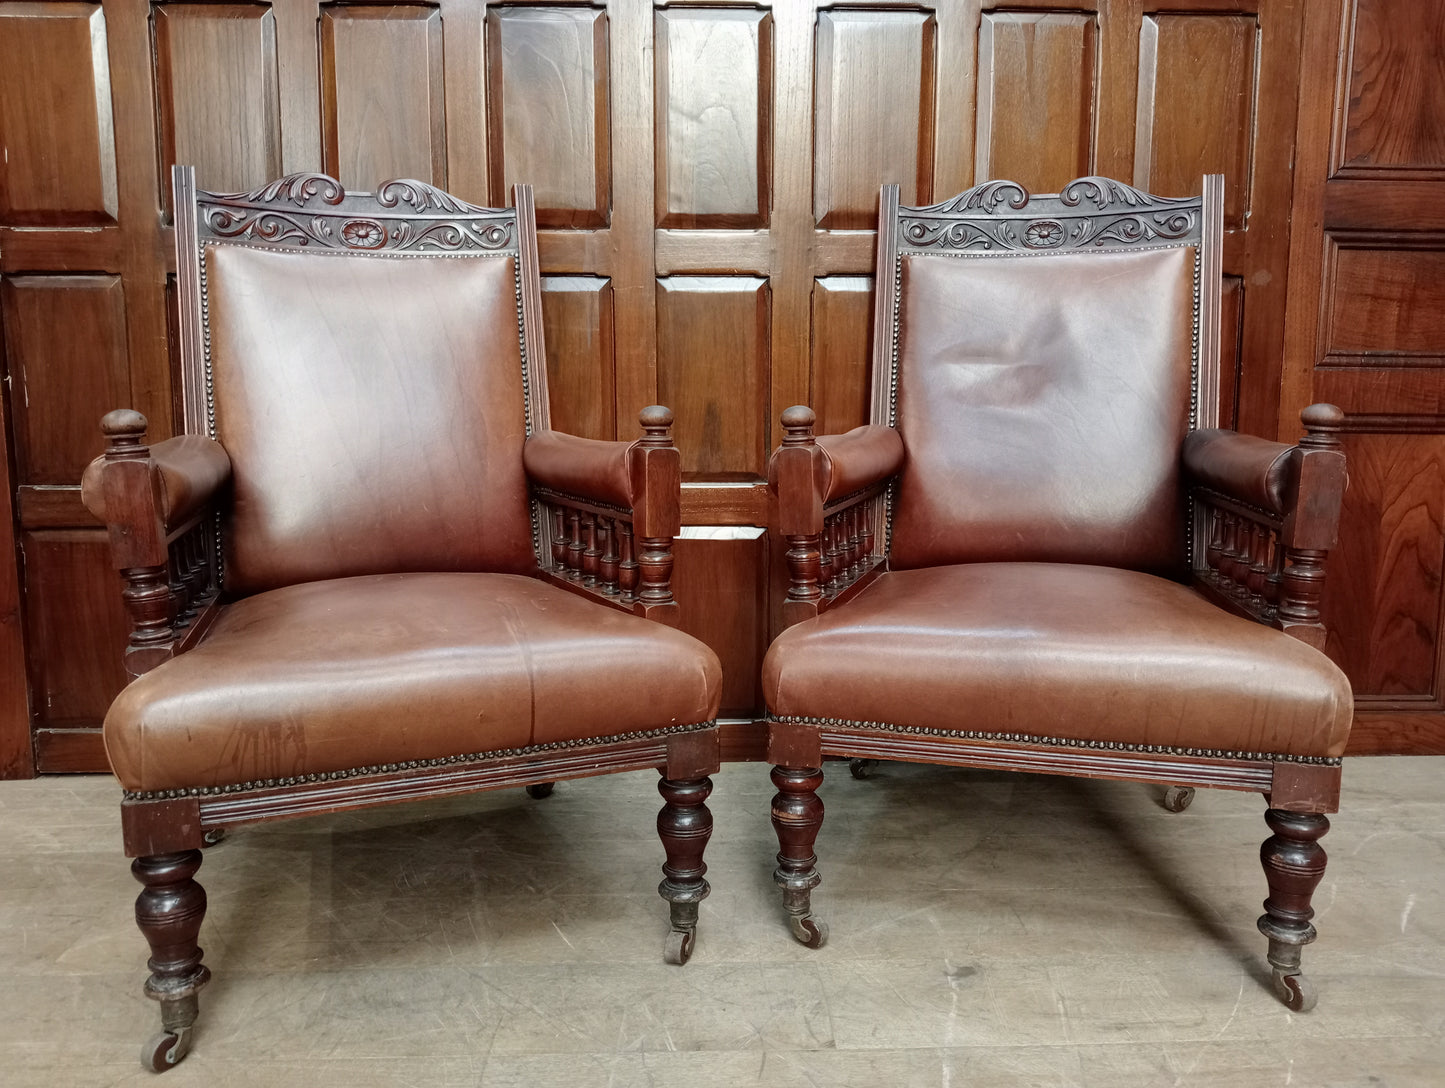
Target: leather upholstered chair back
(1042, 360)
(370, 350)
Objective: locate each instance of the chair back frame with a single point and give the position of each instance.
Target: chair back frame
(1001, 219)
(313, 212)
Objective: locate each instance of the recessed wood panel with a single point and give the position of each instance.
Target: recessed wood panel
(712, 371)
(581, 378)
(873, 102)
(842, 351)
(65, 348)
(720, 582)
(1395, 106)
(1036, 94)
(58, 168)
(1231, 322)
(1195, 113)
(216, 93)
(75, 626)
(713, 88)
(1382, 598)
(381, 94)
(547, 105)
(1387, 302)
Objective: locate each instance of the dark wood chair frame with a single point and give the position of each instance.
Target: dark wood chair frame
(1267, 566)
(172, 586)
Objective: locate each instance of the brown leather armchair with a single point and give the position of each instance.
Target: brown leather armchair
(368, 572)
(1041, 554)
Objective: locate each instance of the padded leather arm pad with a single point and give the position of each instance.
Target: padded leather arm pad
(191, 469)
(586, 467)
(858, 459)
(1242, 466)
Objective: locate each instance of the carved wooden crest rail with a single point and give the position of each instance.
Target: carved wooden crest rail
(315, 211)
(1090, 213)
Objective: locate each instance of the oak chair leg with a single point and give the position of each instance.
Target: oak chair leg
(684, 825)
(169, 911)
(797, 817)
(1294, 864)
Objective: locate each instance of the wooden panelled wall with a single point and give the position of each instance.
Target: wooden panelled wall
(706, 178)
(1366, 331)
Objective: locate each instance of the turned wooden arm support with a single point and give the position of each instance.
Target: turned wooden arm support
(585, 482)
(1274, 512)
(153, 500)
(829, 491)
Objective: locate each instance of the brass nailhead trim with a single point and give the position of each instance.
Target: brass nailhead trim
(1060, 742)
(410, 765)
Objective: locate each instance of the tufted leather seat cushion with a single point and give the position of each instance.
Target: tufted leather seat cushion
(354, 672)
(1066, 651)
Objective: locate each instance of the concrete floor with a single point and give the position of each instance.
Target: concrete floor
(987, 930)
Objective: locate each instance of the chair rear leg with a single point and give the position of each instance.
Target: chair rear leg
(169, 911)
(684, 825)
(1178, 798)
(1294, 864)
(797, 816)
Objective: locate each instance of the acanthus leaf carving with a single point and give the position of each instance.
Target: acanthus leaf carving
(357, 222)
(1002, 216)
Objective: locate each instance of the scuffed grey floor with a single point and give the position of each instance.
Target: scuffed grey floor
(987, 930)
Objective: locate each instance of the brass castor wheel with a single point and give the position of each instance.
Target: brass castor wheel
(1295, 990)
(677, 948)
(214, 836)
(808, 931)
(862, 768)
(1177, 798)
(539, 790)
(165, 1050)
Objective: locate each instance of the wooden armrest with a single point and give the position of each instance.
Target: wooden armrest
(830, 493)
(152, 500)
(1270, 514)
(858, 459)
(586, 467)
(809, 472)
(190, 470)
(1252, 470)
(611, 511)
(151, 491)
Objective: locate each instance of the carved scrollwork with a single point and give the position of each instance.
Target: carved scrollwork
(403, 216)
(421, 196)
(1103, 192)
(1002, 216)
(296, 188)
(268, 226)
(986, 198)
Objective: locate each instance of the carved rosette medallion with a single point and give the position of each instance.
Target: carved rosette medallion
(1044, 234)
(363, 234)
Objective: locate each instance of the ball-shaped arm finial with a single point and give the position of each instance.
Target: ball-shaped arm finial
(798, 422)
(656, 421)
(125, 434)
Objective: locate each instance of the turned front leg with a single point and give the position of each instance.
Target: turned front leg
(797, 816)
(684, 825)
(1294, 864)
(169, 911)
